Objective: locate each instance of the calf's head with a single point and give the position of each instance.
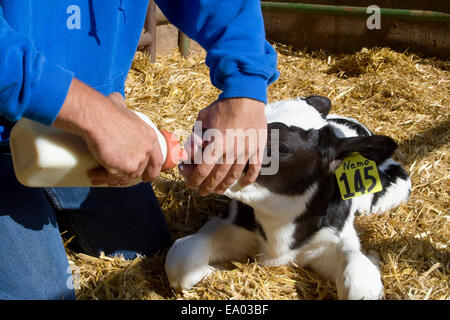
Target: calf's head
(307, 152)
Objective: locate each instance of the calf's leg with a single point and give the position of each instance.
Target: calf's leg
(338, 257)
(188, 260)
(360, 279)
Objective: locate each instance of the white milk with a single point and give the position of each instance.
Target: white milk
(49, 157)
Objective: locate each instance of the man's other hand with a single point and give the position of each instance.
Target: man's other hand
(242, 124)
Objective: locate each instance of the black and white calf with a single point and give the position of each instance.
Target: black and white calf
(298, 215)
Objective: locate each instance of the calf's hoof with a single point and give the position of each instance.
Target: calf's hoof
(187, 262)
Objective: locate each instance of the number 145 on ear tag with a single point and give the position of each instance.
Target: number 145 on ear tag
(357, 176)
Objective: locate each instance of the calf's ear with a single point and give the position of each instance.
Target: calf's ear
(320, 103)
(376, 147)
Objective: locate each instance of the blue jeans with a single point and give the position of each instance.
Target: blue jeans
(33, 262)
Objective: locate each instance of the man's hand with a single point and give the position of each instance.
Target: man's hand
(124, 145)
(235, 113)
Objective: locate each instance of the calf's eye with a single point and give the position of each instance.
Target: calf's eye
(284, 149)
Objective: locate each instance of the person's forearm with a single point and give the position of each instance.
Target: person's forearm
(241, 61)
(81, 109)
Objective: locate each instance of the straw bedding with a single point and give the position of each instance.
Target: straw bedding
(396, 94)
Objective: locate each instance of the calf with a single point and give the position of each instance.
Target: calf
(298, 214)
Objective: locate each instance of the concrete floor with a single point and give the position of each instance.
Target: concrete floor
(167, 40)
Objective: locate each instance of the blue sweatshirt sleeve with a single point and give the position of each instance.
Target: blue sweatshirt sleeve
(242, 63)
(30, 85)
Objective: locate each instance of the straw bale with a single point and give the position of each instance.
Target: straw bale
(397, 94)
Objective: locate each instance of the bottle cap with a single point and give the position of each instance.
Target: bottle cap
(175, 153)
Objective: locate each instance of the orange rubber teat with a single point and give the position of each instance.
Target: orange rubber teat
(175, 153)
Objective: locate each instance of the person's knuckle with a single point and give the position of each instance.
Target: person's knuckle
(157, 163)
(125, 171)
(251, 179)
(135, 175)
(221, 174)
(254, 169)
(154, 155)
(130, 169)
(135, 165)
(224, 185)
(235, 174)
(113, 172)
(202, 172)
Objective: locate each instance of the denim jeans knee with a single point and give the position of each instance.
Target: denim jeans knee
(126, 221)
(33, 262)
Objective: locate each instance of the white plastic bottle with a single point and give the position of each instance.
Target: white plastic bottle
(49, 157)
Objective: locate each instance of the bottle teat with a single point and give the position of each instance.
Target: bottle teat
(175, 153)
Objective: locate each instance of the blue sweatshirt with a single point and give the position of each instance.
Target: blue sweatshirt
(45, 43)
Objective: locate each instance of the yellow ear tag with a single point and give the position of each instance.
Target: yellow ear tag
(357, 176)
